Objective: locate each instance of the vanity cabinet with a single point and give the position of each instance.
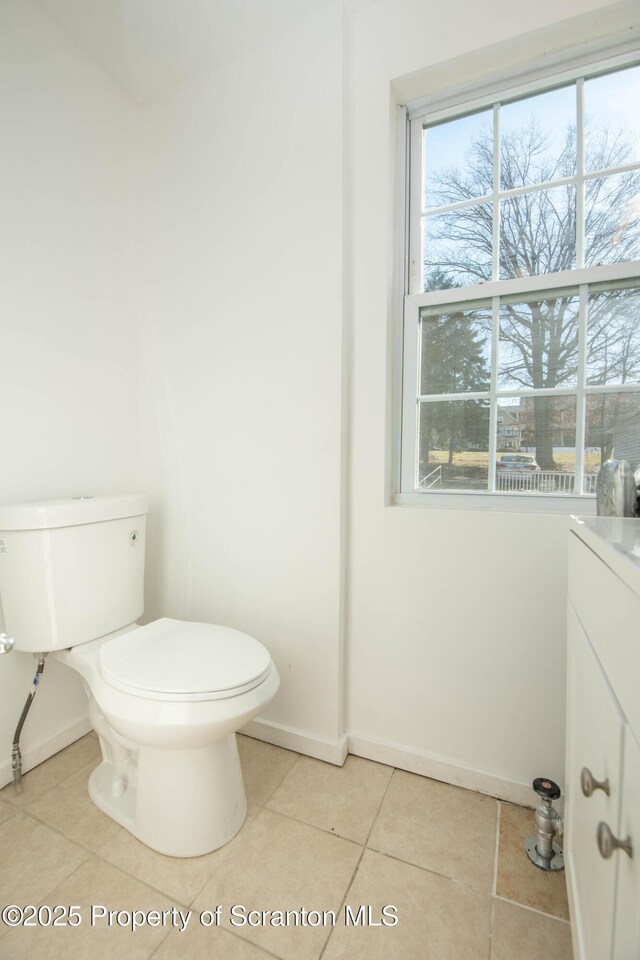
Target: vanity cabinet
(602, 811)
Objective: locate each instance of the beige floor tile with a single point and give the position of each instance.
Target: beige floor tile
(69, 809)
(283, 865)
(518, 879)
(198, 943)
(6, 810)
(97, 883)
(54, 770)
(263, 767)
(343, 800)
(180, 878)
(438, 919)
(526, 935)
(34, 860)
(442, 828)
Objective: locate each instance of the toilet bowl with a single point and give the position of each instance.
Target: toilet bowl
(165, 698)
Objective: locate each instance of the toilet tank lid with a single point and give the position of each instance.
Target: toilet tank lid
(72, 512)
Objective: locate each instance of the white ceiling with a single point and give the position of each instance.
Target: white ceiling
(150, 46)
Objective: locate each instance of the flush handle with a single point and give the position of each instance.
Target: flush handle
(607, 842)
(589, 783)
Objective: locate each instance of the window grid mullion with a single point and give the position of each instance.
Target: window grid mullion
(531, 188)
(493, 406)
(580, 188)
(633, 387)
(410, 437)
(580, 398)
(495, 244)
(416, 196)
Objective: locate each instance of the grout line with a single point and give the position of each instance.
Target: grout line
(161, 893)
(160, 945)
(434, 873)
(314, 826)
(525, 906)
(22, 806)
(497, 849)
(284, 775)
(491, 925)
(357, 866)
(377, 814)
(232, 933)
(56, 830)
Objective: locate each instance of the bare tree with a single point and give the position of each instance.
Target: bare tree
(539, 337)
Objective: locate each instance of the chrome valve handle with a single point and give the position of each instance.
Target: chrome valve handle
(6, 643)
(589, 783)
(607, 843)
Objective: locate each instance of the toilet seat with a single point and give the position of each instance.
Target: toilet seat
(178, 660)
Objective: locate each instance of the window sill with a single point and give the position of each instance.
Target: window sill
(543, 503)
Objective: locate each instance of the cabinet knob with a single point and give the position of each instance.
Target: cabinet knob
(607, 843)
(589, 783)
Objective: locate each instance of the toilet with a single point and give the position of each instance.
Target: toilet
(165, 698)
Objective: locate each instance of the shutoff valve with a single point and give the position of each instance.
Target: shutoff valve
(541, 849)
(6, 643)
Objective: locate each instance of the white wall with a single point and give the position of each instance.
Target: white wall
(456, 629)
(240, 416)
(67, 340)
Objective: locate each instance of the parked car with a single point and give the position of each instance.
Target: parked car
(518, 463)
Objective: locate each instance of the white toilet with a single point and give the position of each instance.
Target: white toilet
(166, 699)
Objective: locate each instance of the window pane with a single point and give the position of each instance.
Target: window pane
(453, 445)
(545, 460)
(458, 159)
(538, 233)
(612, 120)
(457, 247)
(538, 138)
(612, 218)
(613, 345)
(538, 344)
(456, 350)
(612, 428)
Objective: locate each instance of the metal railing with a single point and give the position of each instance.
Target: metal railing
(543, 481)
(435, 476)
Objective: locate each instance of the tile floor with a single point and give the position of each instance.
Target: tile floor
(317, 837)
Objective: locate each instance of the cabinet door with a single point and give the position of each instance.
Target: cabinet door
(594, 741)
(626, 938)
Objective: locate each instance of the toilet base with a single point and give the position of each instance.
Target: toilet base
(182, 803)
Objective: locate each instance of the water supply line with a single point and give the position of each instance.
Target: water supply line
(16, 756)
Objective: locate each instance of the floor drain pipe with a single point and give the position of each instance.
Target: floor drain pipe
(16, 756)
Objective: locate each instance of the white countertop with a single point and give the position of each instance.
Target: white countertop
(616, 540)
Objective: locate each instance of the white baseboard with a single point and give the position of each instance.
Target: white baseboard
(332, 751)
(395, 755)
(38, 754)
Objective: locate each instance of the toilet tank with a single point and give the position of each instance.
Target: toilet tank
(71, 570)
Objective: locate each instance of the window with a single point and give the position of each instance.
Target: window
(521, 369)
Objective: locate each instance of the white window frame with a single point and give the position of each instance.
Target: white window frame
(412, 299)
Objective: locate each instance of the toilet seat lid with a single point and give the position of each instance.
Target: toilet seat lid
(184, 660)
